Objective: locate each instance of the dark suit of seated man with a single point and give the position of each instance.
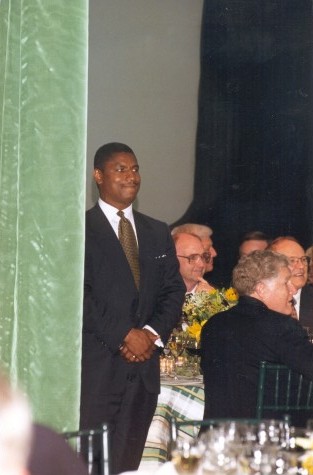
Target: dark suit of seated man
(259, 328)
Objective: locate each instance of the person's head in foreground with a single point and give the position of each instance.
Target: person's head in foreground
(265, 275)
(15, 430)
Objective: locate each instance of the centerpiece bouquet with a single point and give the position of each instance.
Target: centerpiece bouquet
(201, 306)
(183, 345)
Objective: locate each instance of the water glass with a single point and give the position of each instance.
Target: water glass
(187, 456)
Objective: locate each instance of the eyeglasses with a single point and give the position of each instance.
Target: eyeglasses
(194, 258)
(305, 260)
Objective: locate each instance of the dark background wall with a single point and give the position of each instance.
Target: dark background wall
(254, 139)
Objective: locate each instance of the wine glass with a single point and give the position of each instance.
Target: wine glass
(220, 456)
(187, 455)
(176, 345)
(170, 369)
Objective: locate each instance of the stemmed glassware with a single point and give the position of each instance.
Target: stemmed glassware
(231, 448)
(187, 455)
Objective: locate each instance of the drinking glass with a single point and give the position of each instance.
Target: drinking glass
(170, 369)
(221, 446)
(309, 428)
(187, 456)
(263, 460)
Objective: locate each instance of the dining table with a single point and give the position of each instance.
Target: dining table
(180, 397)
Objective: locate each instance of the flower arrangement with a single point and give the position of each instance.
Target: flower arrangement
(201, 306)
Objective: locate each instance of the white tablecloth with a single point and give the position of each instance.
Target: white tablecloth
(182, 399)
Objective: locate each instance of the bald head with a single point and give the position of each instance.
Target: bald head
(204, 233)
(290, 247)
(189, 250)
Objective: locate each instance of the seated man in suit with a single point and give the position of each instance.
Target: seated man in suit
(258, 328)
(298, 265)
(192, 261)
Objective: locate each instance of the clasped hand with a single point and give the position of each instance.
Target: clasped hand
(138, 345)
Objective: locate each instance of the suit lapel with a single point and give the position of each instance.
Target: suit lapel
(110, 244)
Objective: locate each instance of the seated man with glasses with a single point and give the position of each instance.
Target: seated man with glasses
(298, 265)
(192, 261)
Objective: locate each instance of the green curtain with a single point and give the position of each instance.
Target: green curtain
(43, 99)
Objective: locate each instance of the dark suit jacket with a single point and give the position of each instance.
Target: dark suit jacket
(306, 306)
(113, 305)
(52, 455)
(234, 342)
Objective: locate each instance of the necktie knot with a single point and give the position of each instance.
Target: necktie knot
(128, 242)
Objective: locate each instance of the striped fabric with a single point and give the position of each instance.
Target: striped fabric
(183, 400)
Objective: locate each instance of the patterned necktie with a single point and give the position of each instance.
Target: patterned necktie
(293, 309)
(128, 241)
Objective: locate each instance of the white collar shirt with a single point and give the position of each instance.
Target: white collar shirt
(110, 213)
(297, 297)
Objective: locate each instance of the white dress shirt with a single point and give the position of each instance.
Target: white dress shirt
(297, 297)
(111, 214)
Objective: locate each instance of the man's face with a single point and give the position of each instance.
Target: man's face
(277, 292)
(252, 245)
(119, 181)
(295, 254)
(186, 246)
(208, 247)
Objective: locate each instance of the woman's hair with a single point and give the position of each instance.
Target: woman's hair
(257, 266)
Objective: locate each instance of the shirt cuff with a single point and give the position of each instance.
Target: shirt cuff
(157, 342)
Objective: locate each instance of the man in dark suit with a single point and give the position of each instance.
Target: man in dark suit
(258, 328)
(298, 264)
(127, 316)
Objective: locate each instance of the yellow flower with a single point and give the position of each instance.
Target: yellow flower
(307, 463)
(194, 330)
(201, 306)
(231, 294)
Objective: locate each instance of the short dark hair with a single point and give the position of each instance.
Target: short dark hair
(255, 236)
(106, 152)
